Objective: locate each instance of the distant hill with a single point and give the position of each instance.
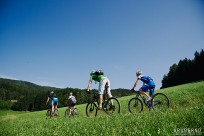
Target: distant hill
(21, 83)
(23, 95)
(14, 89)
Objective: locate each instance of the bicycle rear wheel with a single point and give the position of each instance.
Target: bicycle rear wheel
(75, 112)
(56, 113)
(160, 102)
(48, 114)
(112, 106)
(66, 113)
(135, 105)
(91, 109)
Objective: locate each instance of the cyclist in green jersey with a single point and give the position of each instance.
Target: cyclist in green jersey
(98, 76)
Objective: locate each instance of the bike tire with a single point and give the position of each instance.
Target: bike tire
(56, 113)
(91, 109)
(76, 112)
(160, 102)
(48, 114)
(135, 105)
(112, 106)
(66, 113)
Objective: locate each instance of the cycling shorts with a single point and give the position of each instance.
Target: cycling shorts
(55, 101)
(147, 87)
(102, 85)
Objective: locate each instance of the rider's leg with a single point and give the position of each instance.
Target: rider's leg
(52, 109)
(100, 101)
(151, 92)
(143, 90)
(101, 92)
(70, 107)
(107, 84)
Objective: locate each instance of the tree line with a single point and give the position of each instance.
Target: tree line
(25, 96)
(185, 71)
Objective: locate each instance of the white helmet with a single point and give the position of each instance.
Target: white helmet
(70, 94)
(138, 73)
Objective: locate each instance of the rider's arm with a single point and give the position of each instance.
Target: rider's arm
(47, 100)
(135, 84)
(89, 85)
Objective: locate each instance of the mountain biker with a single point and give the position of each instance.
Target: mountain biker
(98, 76)
(71, 101)
(53, 97)
(148, 84)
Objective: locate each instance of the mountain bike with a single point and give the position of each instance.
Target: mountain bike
(110, 106)
(159, 101)
(71, 112)
(49, 114)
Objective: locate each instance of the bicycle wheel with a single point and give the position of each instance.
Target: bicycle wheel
(76, 112)
(160, 102)
(91, 109)
(135, 105)
(56, 113)
(112, 106)
(48, 114)
(66, 113)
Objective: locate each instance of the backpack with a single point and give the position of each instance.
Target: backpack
(99, 72)
(52, 96)
(72, 99)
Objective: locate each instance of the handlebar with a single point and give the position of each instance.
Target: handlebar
(135, 91)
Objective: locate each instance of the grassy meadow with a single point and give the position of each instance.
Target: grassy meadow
(186, 113)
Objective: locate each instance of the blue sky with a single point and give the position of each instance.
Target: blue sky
(59, 42)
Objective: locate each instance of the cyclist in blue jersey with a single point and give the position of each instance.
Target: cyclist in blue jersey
(148, 84)
(54, 101)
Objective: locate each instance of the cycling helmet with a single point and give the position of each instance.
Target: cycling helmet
(52, 92)
(70, 94)
(92, 72)
(138, 73)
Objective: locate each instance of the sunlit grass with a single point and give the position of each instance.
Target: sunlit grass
(186, 111)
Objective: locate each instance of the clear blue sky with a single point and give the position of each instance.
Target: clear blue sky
(59, 42)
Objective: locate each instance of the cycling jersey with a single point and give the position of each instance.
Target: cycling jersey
(145, 79)
(72, 98)
(52, 96)
(149, 83)
(98, 78)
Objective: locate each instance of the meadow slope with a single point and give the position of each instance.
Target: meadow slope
(185, 113)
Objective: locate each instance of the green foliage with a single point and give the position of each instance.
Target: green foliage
(185, 71)
(31, 97)
(186, 111)
(5, 104)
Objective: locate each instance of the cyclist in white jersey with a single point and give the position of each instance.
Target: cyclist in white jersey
(98, 76)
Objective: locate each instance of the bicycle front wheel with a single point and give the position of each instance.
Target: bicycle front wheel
(48, 114)
(75, 112)
(160, 102)
(112, 106)
(91, 109)
(135, 105)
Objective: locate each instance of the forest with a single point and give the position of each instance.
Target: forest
(25, 96)
(185, 71)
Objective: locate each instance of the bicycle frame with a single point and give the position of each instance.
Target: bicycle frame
(138, 94)
(96, 97)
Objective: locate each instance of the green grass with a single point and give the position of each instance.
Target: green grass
(186, 111)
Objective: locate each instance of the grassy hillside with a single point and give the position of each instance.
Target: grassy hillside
(186, 113)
